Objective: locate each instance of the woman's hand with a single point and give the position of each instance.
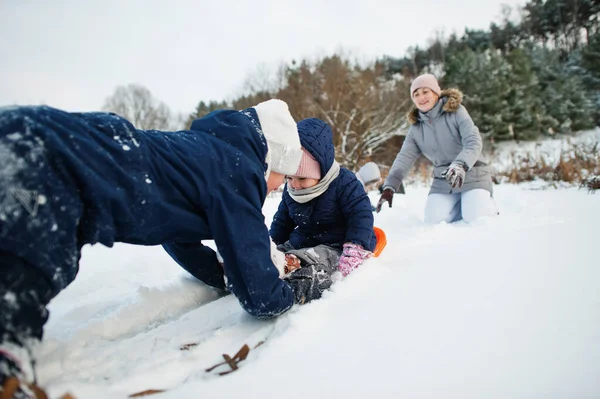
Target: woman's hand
(455, 174)
(386, 195)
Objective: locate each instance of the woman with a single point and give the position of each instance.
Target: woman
(442, 130)
(70, 179)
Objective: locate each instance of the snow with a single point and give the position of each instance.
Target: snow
(509, 154)
(507, 307)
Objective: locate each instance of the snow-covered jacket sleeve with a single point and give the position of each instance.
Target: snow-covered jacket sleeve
(282, 224)
(404, 161)
(242, 239)
(470, 138)
(356, 209)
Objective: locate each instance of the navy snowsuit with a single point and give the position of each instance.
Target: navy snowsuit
(339, 215)
(69, 179)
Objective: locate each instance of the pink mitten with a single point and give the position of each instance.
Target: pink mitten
(352, 257)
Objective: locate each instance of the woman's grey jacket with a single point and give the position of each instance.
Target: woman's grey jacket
(444, 134)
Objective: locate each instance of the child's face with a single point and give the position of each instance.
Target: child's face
(425, 98)
(298, 183)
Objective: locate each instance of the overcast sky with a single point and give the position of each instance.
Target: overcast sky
(72, 54)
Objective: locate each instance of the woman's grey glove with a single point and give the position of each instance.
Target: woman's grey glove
(455, 174)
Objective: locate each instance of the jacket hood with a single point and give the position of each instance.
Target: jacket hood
(452, 100)
(240, 129)
(317, 138)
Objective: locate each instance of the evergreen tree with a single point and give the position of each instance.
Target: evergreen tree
(501, 92)
(590, 64)
(485, 80)
(477, 40)
(523, 97)
(566, 104)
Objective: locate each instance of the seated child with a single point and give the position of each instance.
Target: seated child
(369, 174)
(324, 215)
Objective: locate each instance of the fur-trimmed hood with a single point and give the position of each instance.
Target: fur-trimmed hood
(452, 102)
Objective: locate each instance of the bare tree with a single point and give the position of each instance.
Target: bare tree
(263, 79)
(136, 104)
(363, 109)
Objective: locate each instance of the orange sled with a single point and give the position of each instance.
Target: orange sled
(381, 241)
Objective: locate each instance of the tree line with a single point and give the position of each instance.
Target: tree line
(534, 73)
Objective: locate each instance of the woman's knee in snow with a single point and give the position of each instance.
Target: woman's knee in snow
(435, 216)
(470, 215)
(442, 208)
(477, 203)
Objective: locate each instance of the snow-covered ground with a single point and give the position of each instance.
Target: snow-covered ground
(507, 155)
(508, 307)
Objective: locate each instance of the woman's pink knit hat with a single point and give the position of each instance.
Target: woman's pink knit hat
(425, 80)
(309, 167)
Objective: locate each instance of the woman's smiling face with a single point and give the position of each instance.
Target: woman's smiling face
(424, 99)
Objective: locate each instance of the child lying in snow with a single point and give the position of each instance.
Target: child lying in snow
(308, 270)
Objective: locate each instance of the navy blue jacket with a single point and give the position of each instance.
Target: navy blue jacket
(339, 215)
(104, 181)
